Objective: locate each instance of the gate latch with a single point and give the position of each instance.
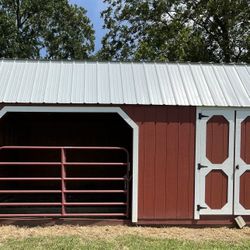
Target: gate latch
(199, 207)
(128, 166)
(202, 116)
(201, 166)
(125, 185)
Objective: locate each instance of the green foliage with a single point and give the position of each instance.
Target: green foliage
(193, 30)
(53, 29)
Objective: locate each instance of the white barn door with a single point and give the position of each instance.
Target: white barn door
(242, 164)
(214, 162)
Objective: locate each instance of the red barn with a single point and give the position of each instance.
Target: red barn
(147, 143)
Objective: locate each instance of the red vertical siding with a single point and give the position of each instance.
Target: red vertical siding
(166, 161)
(149, 164)
(186, 164)
(160, 162)
(172, 163)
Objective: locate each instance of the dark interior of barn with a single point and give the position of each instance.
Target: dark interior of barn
(94, 182)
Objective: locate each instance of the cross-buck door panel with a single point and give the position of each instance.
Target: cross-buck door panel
(242, 164)
(214, 158)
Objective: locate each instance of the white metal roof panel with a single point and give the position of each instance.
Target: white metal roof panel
(214, 86)
(201, 85)
(65, 82)
(189, 84)
(127, 81)
(141, 84)
(77, 85)
(238, 86)
(103, 84)
(165, 84)
(39, 83)
(115, 81)
(179, 91)
(243, 74)
(226, 86)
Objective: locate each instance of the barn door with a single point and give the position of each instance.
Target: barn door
(242, 164)
(214, 158)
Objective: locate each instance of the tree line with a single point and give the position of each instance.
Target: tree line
(136, 30)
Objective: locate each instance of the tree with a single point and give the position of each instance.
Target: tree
(52, 29)
(193, 30)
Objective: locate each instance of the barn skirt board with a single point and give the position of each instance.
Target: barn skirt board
(193, 165)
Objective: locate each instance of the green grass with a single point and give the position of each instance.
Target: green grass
(126, 242)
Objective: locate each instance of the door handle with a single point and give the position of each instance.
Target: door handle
(237, 167)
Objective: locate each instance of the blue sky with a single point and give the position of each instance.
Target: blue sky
(94, 8)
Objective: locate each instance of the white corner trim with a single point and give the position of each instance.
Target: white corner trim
(77, 109)
(197, 160)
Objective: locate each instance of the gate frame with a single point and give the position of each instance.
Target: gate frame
(78, 109)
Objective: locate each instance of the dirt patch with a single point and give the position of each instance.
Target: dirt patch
(111, 232)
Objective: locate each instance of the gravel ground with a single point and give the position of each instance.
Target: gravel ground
(111, 232)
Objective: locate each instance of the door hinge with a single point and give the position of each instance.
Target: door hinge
(199, 207)
(202, 116)
(201, 166)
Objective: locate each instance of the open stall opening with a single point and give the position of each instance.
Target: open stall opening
(65, 164)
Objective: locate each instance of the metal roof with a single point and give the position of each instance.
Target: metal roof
(65, 82)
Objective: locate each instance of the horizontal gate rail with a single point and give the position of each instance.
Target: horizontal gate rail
(95, 191)
(60, 203)
(29, 163)
(30, 204)
(59, 163)
(96, 163)
(59, 191)
(68, 215)
(30, 215)
(94, 179)
(58, 179)
(59, 148)
(29, 191)
(95, 203)
(64, 164)
(29, 179)
(97, 214)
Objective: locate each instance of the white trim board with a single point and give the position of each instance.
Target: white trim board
(119, 111)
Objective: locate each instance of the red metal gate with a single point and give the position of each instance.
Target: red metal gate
(118, 207)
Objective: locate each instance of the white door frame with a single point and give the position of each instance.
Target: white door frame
(77, 109)
(200, 158)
